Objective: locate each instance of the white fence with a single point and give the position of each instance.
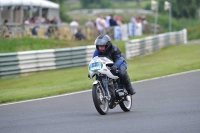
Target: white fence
(154, 43)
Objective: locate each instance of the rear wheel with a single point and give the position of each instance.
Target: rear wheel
(100, 102)
(126, 104)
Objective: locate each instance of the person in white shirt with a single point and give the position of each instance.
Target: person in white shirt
(134, 21)
(108, 21)
(100, 24)
(73, 26)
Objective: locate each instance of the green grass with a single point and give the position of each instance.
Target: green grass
(130, 5)
(172, 59)
(28, 43)
(169, 60)
(75, 4)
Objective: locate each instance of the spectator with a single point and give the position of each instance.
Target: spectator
(53, 21)
(79, 35)
(6, 23)
(73, 26)
(74, 23)
(89, 23)
(138, 30)
(134, 21)
(42, 20)
(7, 27)
(113, 22)
(57, 20)
(26, 21)
(118, 20)
(100, 24)
(108, 21)
(32, 20)
(47, 21)
(144, 21)
(38, 20)
(144, 25)
(104, 23)
(34, 30)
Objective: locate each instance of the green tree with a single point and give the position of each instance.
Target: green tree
(182, 8)
(63, 10)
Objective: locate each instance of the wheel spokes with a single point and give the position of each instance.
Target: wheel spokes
(127, 102)
(102, 101)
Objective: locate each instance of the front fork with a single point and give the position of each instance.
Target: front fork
(105, 83)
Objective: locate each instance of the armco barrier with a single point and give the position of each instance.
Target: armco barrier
(150, 44)
(30, 61)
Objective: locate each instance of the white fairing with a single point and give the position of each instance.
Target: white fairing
(95, 82)
(98, 65)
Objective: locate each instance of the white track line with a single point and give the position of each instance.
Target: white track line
(90, 89)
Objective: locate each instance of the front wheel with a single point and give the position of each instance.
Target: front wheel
(100, 102)
(126, 104)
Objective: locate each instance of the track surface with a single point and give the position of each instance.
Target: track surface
(163, 105)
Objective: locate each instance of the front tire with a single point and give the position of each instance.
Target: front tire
(126, 104)
(100, 102)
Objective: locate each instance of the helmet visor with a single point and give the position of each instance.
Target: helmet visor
(100, 42)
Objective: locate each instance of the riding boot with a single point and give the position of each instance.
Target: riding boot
(124, 78)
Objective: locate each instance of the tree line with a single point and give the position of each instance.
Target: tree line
(180, 8)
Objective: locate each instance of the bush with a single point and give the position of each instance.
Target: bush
(193, 32)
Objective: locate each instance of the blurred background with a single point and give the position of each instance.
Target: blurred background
(62, 19)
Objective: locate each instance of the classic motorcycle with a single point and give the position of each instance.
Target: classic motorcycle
(99, 67)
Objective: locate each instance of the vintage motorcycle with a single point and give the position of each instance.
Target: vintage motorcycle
(99, 67)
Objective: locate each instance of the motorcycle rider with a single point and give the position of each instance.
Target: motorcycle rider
(105, 47)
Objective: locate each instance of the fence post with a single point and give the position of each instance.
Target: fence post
(185, 36)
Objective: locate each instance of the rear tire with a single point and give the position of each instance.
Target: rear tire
(100, 102)
(126, 105)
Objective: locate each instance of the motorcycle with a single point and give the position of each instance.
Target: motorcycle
(99, 67)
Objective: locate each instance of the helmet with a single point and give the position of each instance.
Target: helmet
(103, 40)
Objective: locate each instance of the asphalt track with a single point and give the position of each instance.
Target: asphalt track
(162, 105)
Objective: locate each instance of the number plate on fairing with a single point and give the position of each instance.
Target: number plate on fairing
(95, 66)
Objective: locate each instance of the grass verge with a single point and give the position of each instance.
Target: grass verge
(29, 43)
(172, 59)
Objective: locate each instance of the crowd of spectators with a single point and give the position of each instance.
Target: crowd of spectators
(101, 23)
(42, 20)
(34, 23)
